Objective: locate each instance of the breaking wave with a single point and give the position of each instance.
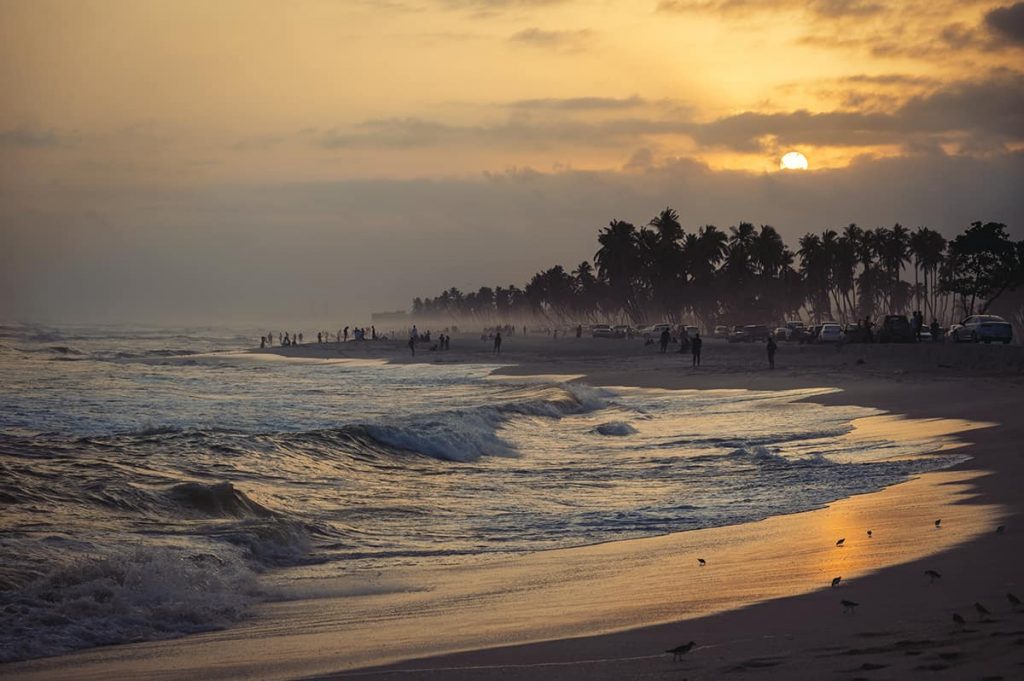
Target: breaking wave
(140, 594)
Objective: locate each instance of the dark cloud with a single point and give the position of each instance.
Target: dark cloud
(559, 41)
(918, 29)
(1008, 22)
(895, 79)
(990, 112)
(580, 103)
(824, 8)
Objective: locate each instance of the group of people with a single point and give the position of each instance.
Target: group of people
(917, 324)
(342, 336)
(283, 340)
(444, 340)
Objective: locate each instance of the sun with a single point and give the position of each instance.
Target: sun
(794, 160)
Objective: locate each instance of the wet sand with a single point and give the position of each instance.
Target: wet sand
(762, 607)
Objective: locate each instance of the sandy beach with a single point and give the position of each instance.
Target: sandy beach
(761, 607)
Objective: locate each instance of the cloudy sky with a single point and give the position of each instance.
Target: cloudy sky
(311, 161)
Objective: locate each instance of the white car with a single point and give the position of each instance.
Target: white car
(982, 328)
(655, 331)
(830, 333)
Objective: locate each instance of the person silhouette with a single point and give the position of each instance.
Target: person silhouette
(695, 346)
(771, 347)
(497, 343)
(664, 340)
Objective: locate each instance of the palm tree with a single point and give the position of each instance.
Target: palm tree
(702, 254)
(618, 263)
(814, 268)
(928, 247)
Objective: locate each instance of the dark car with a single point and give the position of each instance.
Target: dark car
(738, 335)
(810, 334)
(895, 328)
(757, 332)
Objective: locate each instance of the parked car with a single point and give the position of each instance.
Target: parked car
(810, 334)
(757, 332)
(855, 333)
(895, 328)
(655, 331)
(982, 328)
(720, 332)
(620, 331)
(601, 331)
(831, 333)
(781, 333)
(691, 331)
(739, 335)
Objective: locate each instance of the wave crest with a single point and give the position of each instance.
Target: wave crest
(117, 598)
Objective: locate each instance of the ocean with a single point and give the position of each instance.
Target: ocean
(152, 478)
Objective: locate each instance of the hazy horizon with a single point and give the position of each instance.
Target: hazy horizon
(241, 163)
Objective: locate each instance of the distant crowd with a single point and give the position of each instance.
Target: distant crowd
(286, 339)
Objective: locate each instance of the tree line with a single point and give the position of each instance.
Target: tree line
(660, 272)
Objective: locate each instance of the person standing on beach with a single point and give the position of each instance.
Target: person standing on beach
(579, 330)
(497, 343)
(772, 347)
(695, 349)
(412, 345)
(665, 338)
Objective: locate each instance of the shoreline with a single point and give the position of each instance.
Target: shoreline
(968, 489)
(931, 643)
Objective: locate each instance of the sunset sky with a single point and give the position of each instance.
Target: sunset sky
(307, 160)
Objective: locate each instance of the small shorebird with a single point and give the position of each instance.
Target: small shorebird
(958, 620)
(938, 522)
(836, 580)
(848, 606)
(841, 541)
(1014, 601)
(869, 534)
(702, 562)
(1001, 529)
(679, 651)
(982, 611)
(933, 575)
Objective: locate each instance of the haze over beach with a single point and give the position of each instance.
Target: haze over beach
(519, 339)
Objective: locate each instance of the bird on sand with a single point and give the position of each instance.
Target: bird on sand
(702, 562)
(1001, 529)
(848, 606)
(679, 651)
(1014, 601)
(933, 575)
(869, 534)
(841, 541)
(982, 611)
(836, 580)
(958, 620)
(938, 522)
